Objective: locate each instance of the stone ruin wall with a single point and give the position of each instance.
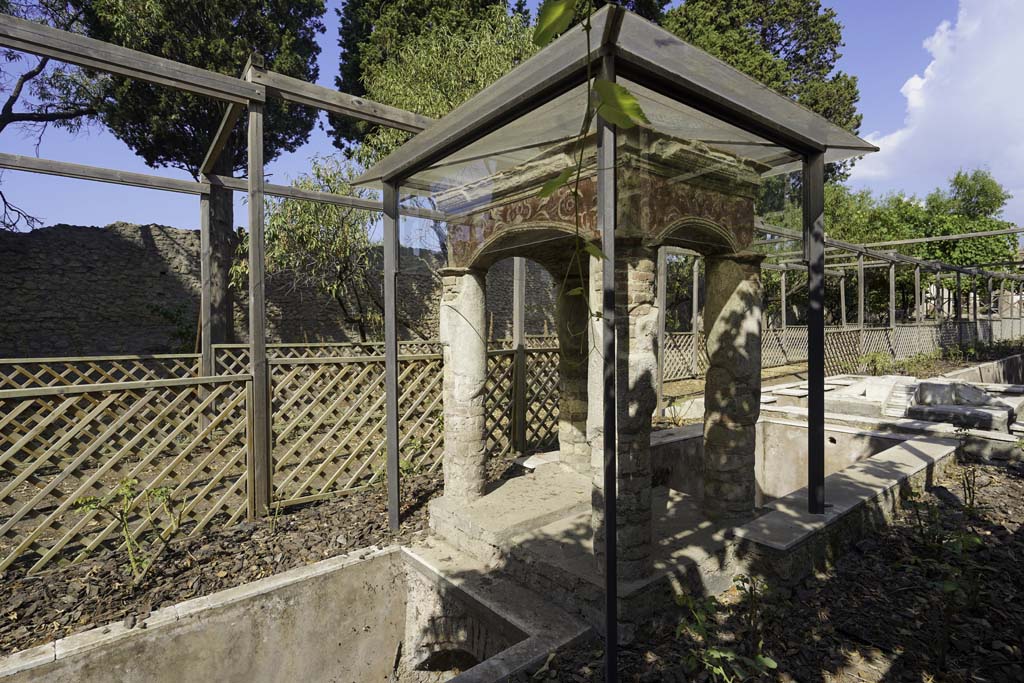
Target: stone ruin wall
(131, 289)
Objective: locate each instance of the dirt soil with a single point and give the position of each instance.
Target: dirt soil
(65, 600)
(920, 602)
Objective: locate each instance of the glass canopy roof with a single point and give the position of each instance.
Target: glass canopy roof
(687, 95)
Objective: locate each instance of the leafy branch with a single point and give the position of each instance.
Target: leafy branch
(120, 505)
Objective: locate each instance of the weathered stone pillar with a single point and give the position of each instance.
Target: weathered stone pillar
(463, 335)
(571, 318)
(636, 325)
(732, 391)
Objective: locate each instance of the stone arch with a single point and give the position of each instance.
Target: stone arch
(548, 244)
(704, 236)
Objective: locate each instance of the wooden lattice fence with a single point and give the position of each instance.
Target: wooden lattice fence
(59, 445)
(29, 373)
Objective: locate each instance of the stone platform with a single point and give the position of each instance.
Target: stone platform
(536, 528)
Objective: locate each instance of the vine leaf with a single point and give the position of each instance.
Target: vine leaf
(594, 250)
(617, 105)
(551, 186)
(554, 17)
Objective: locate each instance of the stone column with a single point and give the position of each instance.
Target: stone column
(732, 391)
(464, 339)
(571, 321)
(637, 364)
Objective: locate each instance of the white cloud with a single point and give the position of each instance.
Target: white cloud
(965, 111)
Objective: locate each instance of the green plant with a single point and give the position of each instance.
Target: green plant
(183, 322)
(927, 521)
(953, 353)
(969, 487)
(126, 504)
(877, 363)
(922, 364)
(708, 652)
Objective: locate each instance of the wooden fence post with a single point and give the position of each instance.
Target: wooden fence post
(695, 317)
(262, 466)
(842, 298)
(519, 342)
(391, 255)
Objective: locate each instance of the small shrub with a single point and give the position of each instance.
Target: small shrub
(877, 363)
(121, 506)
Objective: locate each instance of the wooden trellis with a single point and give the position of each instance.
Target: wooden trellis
(541, 398)
(28, 373)
(61, 444)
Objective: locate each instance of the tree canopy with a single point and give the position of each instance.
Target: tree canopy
(171, 128)
(442, 67)
(972, 202)
(36, 92)
(792, 46)
(371, 32)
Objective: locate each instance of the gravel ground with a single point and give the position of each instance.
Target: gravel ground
(938, 597)
(65, 600)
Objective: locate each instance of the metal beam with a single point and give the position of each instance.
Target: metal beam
(782, 300)
(887, 257)
(860, 291)
(892, 296)
(918, 297)
(519, 342)
(695, 318)
(910, 241)
(38, 39)
(606, 220)
(814, 244)
(842, 298)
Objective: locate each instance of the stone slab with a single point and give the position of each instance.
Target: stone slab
(990, 418)
(789, 523)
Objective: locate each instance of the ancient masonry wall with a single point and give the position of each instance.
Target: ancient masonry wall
(127, 289)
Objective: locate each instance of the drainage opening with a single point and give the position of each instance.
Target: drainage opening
(452, 661)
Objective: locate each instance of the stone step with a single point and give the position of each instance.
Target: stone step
(899, 398)
(1017, 428)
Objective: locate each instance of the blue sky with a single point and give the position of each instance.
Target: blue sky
(939, 90)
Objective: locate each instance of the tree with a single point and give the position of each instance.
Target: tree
(329, 249)
(371, 32)
(648, 9)
(792, 46)
(324, 247)
(439, 69)
(37, 93)
(167, 127)
(975, 194)
(970, 205)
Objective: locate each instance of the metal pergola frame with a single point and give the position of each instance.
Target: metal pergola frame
(248, 93)
(889, 259)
